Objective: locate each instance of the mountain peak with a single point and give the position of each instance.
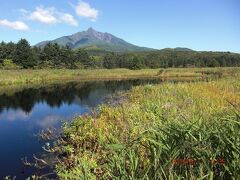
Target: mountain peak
(93, 38)
(91, 30)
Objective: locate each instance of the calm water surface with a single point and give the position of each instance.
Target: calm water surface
(23, 114)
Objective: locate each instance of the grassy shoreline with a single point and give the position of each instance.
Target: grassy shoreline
(13, 88)
(172, 131)
(11, 77)
(18, 77)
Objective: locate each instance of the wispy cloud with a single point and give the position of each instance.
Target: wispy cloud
(68, 18)
(15, 115)
(83, 9)
(49, 121)
(49, 15)
(24, 11)
(43, 15)
(16, 25)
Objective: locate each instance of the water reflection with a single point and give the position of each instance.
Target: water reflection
(25, 113)
(87, 93)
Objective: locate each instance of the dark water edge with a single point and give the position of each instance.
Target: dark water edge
(25, 112)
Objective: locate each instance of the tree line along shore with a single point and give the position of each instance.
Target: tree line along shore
(22, 56)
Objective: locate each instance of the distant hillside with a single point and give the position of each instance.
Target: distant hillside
(178, 49)
(182, 49)
(94, 40)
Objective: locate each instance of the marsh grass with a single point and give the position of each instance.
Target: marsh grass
(11, 77)
(156, 126)
(18, 77)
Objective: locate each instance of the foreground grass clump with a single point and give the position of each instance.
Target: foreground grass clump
(167, 131)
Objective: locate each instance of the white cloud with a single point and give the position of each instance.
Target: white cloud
(68, 18)
(45, 16)
(17, 25)
(49, 16)
(24, 11)
(17, 115)
(83, 9)
(49, 121)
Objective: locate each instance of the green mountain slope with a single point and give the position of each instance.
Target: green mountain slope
(96, 40)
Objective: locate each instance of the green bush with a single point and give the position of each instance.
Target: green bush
(8, 64)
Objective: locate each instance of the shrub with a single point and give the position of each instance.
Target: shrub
(8, 64)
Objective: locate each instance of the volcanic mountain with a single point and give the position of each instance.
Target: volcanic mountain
(94, 40)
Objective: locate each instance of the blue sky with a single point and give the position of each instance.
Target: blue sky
(198, 24)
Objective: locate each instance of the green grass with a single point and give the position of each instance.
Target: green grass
(151, 128)
(10, 77)
(154, 127)
(15, 77)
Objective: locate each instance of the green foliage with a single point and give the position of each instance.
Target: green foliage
(8, 64)
(56, 56)
(50, 54)
(167, 131)
(6, 50)
(66, 57)
(83, 57)
(136, 63)
(23, 55)
(109, 61)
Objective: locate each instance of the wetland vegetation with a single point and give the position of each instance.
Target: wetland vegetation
(184, 129)
(179, 130)
(25, 111)
(28, 77)
(83, 104)
(187, 129)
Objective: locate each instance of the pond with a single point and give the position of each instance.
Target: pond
(24, 113)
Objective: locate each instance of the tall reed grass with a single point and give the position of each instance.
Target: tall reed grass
(167, 131)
